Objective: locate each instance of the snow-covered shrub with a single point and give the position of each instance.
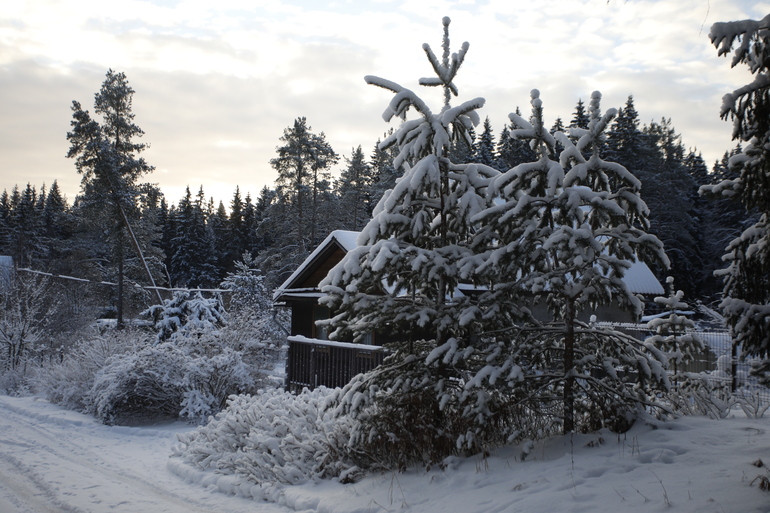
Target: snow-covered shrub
(27, 310)
(700, 394)
(145, 385)
(272, 437)
(15, 382)
(187, 376)
(211, 377)
(68, 382)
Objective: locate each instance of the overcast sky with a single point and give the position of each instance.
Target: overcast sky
(218, 81)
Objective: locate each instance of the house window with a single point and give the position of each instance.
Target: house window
(320, 313)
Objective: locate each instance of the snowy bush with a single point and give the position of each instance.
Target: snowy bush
(272, 437)
(189, 377)
(68, 382)
(145, 385)
(27, 308)
(209, 379)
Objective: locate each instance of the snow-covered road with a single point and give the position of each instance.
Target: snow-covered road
(52, 460)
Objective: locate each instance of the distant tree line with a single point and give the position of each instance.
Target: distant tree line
(196, 241)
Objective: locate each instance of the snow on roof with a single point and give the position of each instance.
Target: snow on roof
(346, 239)
(648, 318)
(640, 280)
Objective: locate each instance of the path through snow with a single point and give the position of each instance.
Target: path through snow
(53, 460)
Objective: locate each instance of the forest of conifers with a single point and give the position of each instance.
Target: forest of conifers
(194, 241)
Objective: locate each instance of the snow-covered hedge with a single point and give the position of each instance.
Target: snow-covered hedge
(69, 382)
(272, 438)
(147, 384)
(188, 377)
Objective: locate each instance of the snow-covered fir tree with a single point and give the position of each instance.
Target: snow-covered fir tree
(354, 190)
(673, 332)
(565, 233)
(403, 276)
(485, 146)
(746, 303)
(187, 314)
(580, 118)
(419, 235)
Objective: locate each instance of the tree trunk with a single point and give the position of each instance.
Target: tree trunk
(569, 364)
(120, 284)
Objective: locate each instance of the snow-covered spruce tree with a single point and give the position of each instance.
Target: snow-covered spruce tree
(402, 278)
(671, 332)
(567, 238)
(691, 393)
(251, 314)
(186, 314)
(354, 189)
(746, 303)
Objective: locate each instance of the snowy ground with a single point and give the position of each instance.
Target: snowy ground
(53, 460)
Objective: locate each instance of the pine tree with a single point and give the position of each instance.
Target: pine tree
(218, 229)
(709, 241)
(56, 223)
(746, 303)
(580, 119)
(265, 234)
(668, 189)
(512, 152)
(301, 163)
(625, 139)
(107, 155)
(25, 227)
(192, 259)
(384, 173)
(558, 126)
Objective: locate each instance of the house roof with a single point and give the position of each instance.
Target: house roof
(639, 278)
(295, 286)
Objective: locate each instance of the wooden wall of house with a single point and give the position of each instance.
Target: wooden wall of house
(302, 318)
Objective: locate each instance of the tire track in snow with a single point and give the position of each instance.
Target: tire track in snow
(49, 466)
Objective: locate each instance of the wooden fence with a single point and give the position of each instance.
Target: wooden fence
(312, 363)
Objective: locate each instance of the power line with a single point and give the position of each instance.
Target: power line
(111, 284)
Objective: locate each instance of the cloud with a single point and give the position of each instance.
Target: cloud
(217, 82)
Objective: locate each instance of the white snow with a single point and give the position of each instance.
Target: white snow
(61, 461)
